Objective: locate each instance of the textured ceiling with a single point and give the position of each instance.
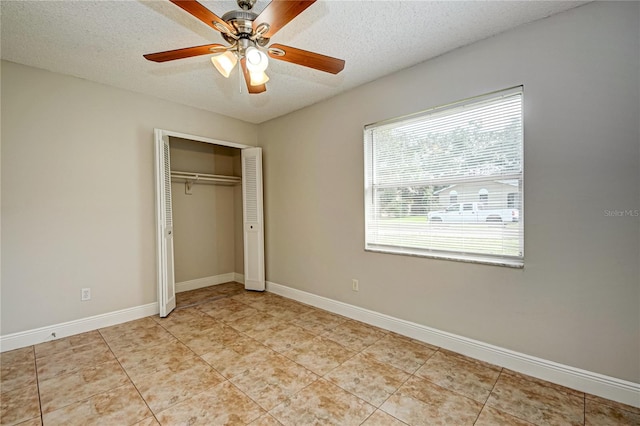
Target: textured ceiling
(104, 41)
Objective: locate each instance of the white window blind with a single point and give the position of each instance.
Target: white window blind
(448, 182)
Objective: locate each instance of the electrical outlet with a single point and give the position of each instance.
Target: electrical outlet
(86, 294)
(354, 285)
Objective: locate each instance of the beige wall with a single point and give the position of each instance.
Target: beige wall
(577, 300)
(78, 193)
(204, 222)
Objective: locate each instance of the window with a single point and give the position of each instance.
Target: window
(513, 200)
(428, 178)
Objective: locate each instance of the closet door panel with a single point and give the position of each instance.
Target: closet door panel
(253, 219)
(164, 227)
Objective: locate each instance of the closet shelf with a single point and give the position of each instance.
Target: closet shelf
(191, 177)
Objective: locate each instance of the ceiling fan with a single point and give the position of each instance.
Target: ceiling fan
(248, 35)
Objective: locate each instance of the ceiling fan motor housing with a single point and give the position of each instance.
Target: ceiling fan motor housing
(242, 22)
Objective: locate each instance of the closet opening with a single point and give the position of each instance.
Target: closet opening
(206, 202)
(209, 217)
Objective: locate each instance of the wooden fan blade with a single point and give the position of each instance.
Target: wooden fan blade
(187, 52)
(307, 59)
(279, 13)
(201, 12)
(247, 78)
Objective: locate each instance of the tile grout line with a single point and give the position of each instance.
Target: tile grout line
(69, 374)
(376, 408)
(228, 379)
(403, 383)
(319, 376)
(266, 309)
(543, 383)
(243, 333)
(323, 335)
(284, 354)
(288, 397)
(361, 351)
(201, 302)
(254, 401)
(452, 390)
(289, 322)
(502, 411)
(35, 365)
(393, 393)
(488, 396)
(128, 377)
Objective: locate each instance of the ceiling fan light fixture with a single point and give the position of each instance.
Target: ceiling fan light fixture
(258, 78)
(248, 34)
(224, 62)
(257, 60)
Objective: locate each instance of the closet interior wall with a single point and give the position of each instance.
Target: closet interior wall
(207, 224)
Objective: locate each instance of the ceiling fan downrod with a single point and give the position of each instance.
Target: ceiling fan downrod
(246, 4)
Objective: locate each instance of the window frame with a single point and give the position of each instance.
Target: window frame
(489, 259)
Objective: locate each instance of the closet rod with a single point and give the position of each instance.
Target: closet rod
(195, 177)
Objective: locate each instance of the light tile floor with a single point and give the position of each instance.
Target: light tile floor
(227, 356)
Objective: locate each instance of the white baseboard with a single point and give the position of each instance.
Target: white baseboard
(205, 282)
(575, 378)
(44, 334)
(571, 377)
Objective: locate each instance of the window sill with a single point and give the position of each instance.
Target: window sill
(456, 257)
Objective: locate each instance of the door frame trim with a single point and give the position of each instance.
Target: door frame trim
(202, 139)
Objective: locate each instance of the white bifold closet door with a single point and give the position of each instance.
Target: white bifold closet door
(253, 219)
(164, 228)
(252, 202)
